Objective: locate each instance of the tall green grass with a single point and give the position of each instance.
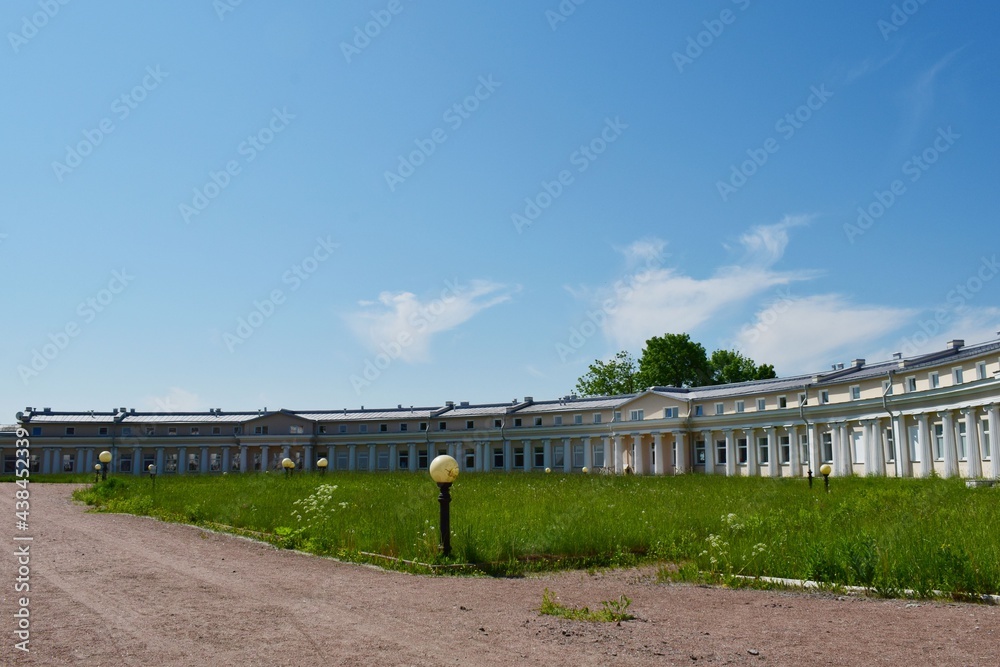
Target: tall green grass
(884, 534)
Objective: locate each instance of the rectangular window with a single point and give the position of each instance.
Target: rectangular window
(635, 415)
(956, 376)
(171, 430)
(539, 456)
(519, 457)
(422, 426)
(422, 459)
(442, 426)
(296, 429)
(363, 459)
(740, 406)
(538, 421)
(195, 430)
(911, 384)
(577, 419)
(856, 392)
(782, 401)
(558, 457)
(699, 411)
(599, 456)
(470, 459)
(497, 423)
(70, 430)
(887, 388)
(125, 462)
(363, 428)
(37, 430)
(69, 460)
(383, 428)
(215, 462)
(824, 397)
(470, 423)
(914, 438)
(403, 428)
(986, 440)
(827, 448)
(981, 370)
(963, 451)
(804, 444)
(102, 430)
(342, 462)
(217, 430)
(194, 462)
(597, 417)
(699, 452)
(670, 413)
(741, 450)
(343, 428)
(617, 416)
(761, 404)
(803, 399)
(764, 453)
(403, 458)
(720, 451)
(577, 456)
(237, 430)
(517, 421)
(784, 443)
(938, 442)
(170, 463)
(383, 460)
(258, 430)
(858, 443)
(557, 420)
(720, 408)
(935, 379)
(498, 461)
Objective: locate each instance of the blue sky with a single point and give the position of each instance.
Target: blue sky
(257, 204)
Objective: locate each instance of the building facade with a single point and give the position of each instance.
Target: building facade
(936, 413)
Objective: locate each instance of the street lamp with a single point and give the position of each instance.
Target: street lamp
(287, 464)
(825, 470)
(97, 472)
(322, 464)
(105, 458)
(444, 471)
(152, 473)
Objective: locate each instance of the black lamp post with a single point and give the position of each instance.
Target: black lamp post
(825, 470)
(322, 464)
(105, 458)
(444, 471)
(152, 473)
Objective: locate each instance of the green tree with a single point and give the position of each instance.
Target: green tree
(674, 360)
(731, 366)
(609, 378)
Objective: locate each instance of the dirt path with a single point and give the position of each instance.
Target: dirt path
(123, 590)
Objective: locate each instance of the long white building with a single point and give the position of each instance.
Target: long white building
(908, 417)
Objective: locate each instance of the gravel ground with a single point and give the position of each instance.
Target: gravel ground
(123, 590)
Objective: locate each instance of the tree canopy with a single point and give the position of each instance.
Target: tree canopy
(609, 378)
(670, 360)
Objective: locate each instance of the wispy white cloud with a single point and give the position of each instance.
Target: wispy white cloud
(805, 334)
(918, 99)
(175, 400)
(407, 324)
(667, 300)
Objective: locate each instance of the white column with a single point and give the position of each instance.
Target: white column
(137, 461)
(243, 458)
(182, 461)
(411, 463)
(547, 453)
(845, 449)
(393, 457)
(751, 434)
(901, 440)
(972, 451)
(352, 457)
(159, 461)
(994, 420)
(307, 457)
(950, 453)
(526, 444)
(588, 454)
(371, 458)
(813, 435)
(567, 454)
(709, 452)
(639, 460)
(878, 447)
(619, 454)
(793, 451)
(773, 465)
(203, 463)
(924, 442)
(730, 453)
(264, 458)
(84, 461)
(683, 460)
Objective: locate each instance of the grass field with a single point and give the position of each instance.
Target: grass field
(887, 535)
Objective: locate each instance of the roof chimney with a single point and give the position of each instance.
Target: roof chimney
(955, 344)
(858, 363)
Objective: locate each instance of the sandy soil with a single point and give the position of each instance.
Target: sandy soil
(123, 590)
